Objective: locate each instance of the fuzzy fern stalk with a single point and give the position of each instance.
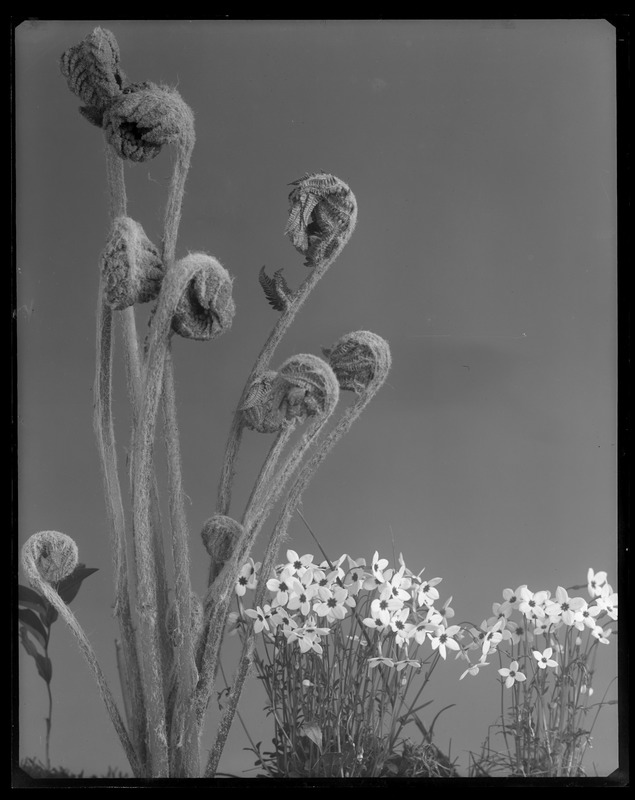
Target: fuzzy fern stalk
(170, 642)
(322, 218)
(47, 558)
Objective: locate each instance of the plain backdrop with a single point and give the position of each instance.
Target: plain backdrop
(483, 158)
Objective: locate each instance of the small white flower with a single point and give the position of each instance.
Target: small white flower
(544, 659)
(261, 618)
(473, 669)
(512, 674)
(607, 601)
(442, 638)
(600, 634)
(427, 594)
(595, 580)
(564, 607)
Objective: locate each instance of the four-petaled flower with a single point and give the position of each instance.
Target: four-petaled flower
(511, 674)
(493, 635)
(600, 634)
(595, 580)
(544, 659)
(447, 612)
(532, 605)
(355, 576)
(564, 607)
(261, 617)
(400, 627)
(279, 617)
(442, 638)
(301, 596)
(501, 611)
(333, 607)
(377, 569)
(382, 609)
(518, 631)
(427, 594)
(407, 662)
(396, 587)
(247, 577)
(296, 564)
(377, 660)
(585, 616)
(513, 598)
(473, 669)
(607, 601)
(282, 586)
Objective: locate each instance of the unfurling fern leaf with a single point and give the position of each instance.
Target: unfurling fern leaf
(276, 289)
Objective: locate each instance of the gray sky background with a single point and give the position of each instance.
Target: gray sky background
(483, 159)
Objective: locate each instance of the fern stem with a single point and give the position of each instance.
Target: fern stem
(104, 430)
(87, 651)
(187, 764)
(262, 362)
(219, 594)
(242, 672)
(174, 284)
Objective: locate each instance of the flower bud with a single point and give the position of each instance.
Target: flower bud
(93, 72)
(53, 555)
(131, 265)
(206, 308)
(322, 216)
(359, 359)
(145, 117)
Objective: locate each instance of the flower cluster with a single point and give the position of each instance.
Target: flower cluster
(541, 614)
(397, 606)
